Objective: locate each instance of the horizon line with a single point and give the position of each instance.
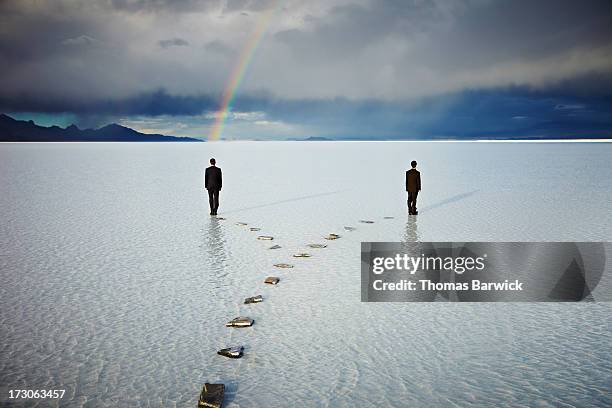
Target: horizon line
(346, 141)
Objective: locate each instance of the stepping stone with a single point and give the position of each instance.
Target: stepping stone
(350, 228)
(283, 265)
(211, 396)
(242, 223)
(366, 222)
(275, 247)
(265, 238)
(272, 280)
(331, 237)
(231, 352)
(255, 229)
(221, 218)
(389, 218)
(317, 245)
(302, 255)
(253, 299)
(240, 322)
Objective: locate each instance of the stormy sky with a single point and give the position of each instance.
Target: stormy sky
(384, 69)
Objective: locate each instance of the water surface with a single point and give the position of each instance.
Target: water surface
(116, 283)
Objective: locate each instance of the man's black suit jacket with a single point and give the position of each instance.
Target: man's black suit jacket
(212, 178)
(413, 181)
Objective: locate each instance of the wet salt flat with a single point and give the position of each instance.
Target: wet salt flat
(117, 284)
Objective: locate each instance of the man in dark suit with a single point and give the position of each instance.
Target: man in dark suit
(413, 186)
(213, 182)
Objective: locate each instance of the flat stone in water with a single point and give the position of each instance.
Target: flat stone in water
(283, 265)
(253, 299)
(265, 238)
(211, 396)
(317, 245)
(301, 255)
(389, 218)
(275, 247)
(366, 221)
(331, 237)
(272, 280)
(240, 322)
(255, 229)
(221, 218)
(350, 228)
(242, 223)
(231, 352)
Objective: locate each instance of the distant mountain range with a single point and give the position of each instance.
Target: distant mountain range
(310, 139)
(12, 130)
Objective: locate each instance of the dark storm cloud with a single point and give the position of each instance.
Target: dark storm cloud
(186, 6)
(508, 113)
(342, 66)
(151, 103)
(384, 49)
(502, 31)
(82, 40)
(28, 36)
(447, 36)
(349, 28)
(163, 5)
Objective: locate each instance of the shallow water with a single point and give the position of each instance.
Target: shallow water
(116, 283)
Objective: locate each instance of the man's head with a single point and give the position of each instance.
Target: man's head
(412, 163)
(213, 161)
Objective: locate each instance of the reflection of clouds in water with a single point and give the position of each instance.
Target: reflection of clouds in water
(412, 230)
(412, 235)
(411, 241)
(215, 245)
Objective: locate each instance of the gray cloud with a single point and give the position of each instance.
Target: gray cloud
(388, 50)
(188, 6)
(82, 40)
(243, 6)
(400, 49)
(218, 47)
(138, 6)
(173, 42)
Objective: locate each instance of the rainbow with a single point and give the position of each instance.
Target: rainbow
(235, 79)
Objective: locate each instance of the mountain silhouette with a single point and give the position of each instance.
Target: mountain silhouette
(12, 130)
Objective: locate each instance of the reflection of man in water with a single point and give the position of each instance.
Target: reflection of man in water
(212, 182)
(413, 186)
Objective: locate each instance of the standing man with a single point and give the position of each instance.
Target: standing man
(413, 186)
(212, 182)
